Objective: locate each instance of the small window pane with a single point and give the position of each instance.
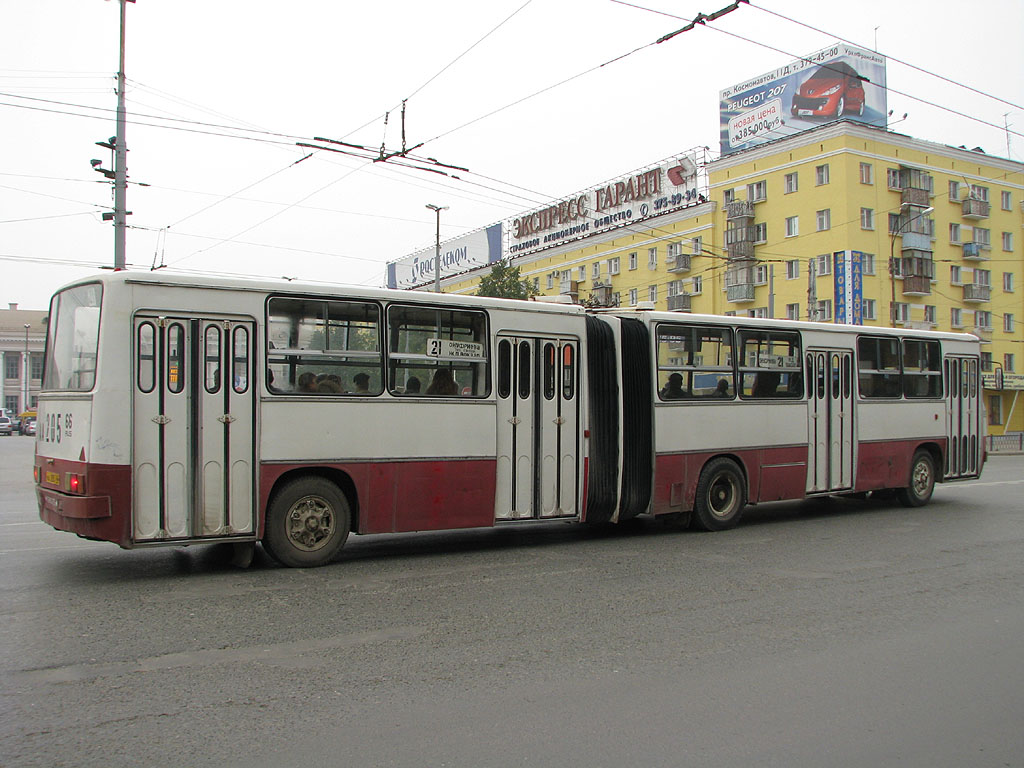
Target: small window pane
(240, 359)
(568, 372)
(504, 368)
(524, 370)
(175, 358)
(211, 359)
(550, 359)
(146, 363)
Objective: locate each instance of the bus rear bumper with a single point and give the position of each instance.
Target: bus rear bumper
(56, 504)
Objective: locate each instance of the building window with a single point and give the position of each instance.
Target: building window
(979, 193)
(633, 260)
(824, 265)
(536, 284)
(867, 263)
(867, 218)
(632, 297)
(761, 274)
(929, 314)
(983, 277)
(757, 191)
(652, 293)
(566, 275)
(955, 277)
(954, 233)
(792, 311)
(956, 318)
(581, 273)
(792, 269)
(729, 195)
(867, 173)
(821, 174)
(986, 361)
(995, 410)
(1008, 323)
(613, 265)
(1009, 364)
(869, 309)
(758, 312)
(954, 191)
(696, 246)
(761, 232)
(12, 366)
(982, 237)
(983, 319)
(551, 282)
(652, 254)
(824, 219)
(675, 287)
(1007, 241)
(792, 182)
(1008, 282)
(697, 285)
(825, 310)
(902, 312)
(892, 178)
(792, 226)
(1004, 198)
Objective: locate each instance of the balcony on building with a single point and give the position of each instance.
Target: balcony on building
(974, 208)
(916, 285)
(739, 209)
(741, 250)
(915, 196)
(679, 262)
(741, 292)
(569, 288)
(918, 241)
(974, 252)
(602, 294)
(679, 303)
(974, 292)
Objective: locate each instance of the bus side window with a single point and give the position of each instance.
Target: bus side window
(504, 368)
(240, 359)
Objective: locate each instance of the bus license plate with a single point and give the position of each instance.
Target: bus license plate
(53, 478)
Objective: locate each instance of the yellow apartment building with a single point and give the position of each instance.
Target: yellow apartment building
(841, 223)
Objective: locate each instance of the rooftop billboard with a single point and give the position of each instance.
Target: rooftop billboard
(477, 249)
(840, 82)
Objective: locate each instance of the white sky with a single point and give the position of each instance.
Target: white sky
(327, 68)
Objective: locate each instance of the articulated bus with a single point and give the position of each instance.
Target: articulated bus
(183, 410)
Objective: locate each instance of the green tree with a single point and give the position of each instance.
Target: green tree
(504, 282)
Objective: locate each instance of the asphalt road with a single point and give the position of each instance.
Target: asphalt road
(840, 633)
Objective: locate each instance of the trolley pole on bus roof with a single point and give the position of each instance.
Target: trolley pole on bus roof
(437, 245)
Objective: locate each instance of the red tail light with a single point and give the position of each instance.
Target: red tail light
(76, 483)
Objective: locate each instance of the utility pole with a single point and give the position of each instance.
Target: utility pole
(120, 157)
(812, 290)
(437, 245)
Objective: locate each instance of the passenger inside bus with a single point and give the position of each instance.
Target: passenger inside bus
(412, 386)
(443, 383)
(722, 390)
(673, 389)
(362, 382)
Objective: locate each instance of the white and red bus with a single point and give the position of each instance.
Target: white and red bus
(187, 410)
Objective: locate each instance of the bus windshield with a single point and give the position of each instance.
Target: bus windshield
(73, 339)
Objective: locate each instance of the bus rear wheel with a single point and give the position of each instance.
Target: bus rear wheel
(307, 523)
(922, 481)
(721, 496)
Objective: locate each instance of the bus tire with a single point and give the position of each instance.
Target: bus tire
(721, 496)
(307, 523)
(922, 481)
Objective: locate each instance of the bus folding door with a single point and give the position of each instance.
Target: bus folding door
(193, 429)
(831, 429)
(538, 428)
(963, 417)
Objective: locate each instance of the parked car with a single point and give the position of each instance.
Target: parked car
(834, 90)
(28, 425)
(15, 424)
(5, 425)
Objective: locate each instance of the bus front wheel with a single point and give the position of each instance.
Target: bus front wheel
(721, 496)
(922, 481)
(307, 523)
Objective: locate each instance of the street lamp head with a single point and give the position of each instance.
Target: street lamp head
(437, 208)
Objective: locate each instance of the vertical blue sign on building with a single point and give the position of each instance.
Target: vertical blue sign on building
(848, 271)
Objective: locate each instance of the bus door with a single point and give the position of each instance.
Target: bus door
(538, 428)
(193, 429)
(831, 432)
(963, 417)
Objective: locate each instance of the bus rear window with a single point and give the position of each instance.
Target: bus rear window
(72, 340)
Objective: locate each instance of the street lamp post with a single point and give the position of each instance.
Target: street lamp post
(437, 245)
(900, 228)
(25, 372)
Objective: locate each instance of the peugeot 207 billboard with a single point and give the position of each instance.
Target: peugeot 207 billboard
(836, 83)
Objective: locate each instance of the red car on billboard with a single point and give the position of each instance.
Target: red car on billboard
(834, 90)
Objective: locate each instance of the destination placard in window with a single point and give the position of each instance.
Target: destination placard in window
(446, 349)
